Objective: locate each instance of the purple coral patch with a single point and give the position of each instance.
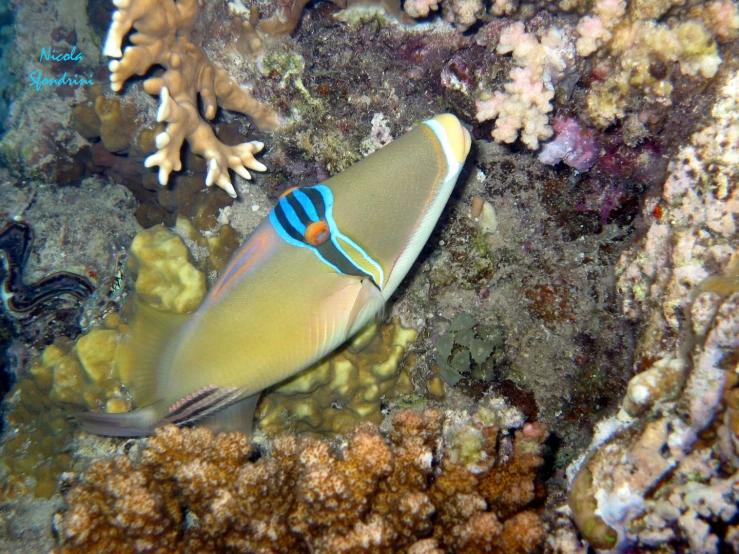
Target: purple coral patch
(572, 144)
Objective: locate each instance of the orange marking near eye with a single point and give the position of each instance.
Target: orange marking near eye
(316, 233)
(288, 191)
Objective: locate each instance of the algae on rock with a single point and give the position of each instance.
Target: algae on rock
(466, 349)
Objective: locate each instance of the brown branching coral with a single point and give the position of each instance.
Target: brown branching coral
(189, 491)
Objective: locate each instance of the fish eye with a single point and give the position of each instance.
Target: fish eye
(316, 233)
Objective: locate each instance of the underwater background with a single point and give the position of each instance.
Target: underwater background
(559, 371)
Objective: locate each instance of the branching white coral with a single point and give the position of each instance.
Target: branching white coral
(596, 29)
(161, 37)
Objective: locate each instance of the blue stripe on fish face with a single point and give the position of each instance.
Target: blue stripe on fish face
(292, 217)
(295, 219)
(308, 206)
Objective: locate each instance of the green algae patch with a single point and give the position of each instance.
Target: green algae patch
(466, 350)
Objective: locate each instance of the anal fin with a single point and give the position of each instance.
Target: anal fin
(202, 404)
(239, 416)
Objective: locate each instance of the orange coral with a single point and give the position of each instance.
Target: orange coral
(189, 491)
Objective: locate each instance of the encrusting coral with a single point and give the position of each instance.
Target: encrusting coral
(189, 491)
(162, 37)
(664, 471)
(33, 457)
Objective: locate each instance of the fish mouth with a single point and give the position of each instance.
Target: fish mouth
(458, 136)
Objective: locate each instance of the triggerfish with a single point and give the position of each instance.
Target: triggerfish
(319, 267)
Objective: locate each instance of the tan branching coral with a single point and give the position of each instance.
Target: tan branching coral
(189, 491)
(162, 37)
(636, 55)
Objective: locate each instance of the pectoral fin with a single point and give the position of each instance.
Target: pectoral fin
(368, 304)
(343, 313)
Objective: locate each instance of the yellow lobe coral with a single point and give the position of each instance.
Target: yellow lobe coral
(162, 37)
(165, 278)
(345, 388)
(96, 352)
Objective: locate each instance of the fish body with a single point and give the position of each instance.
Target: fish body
(314, 272)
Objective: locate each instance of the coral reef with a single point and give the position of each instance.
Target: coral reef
(663, 471)
(188, 491)
(529, 248)
(349, 386)
(162, 37)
